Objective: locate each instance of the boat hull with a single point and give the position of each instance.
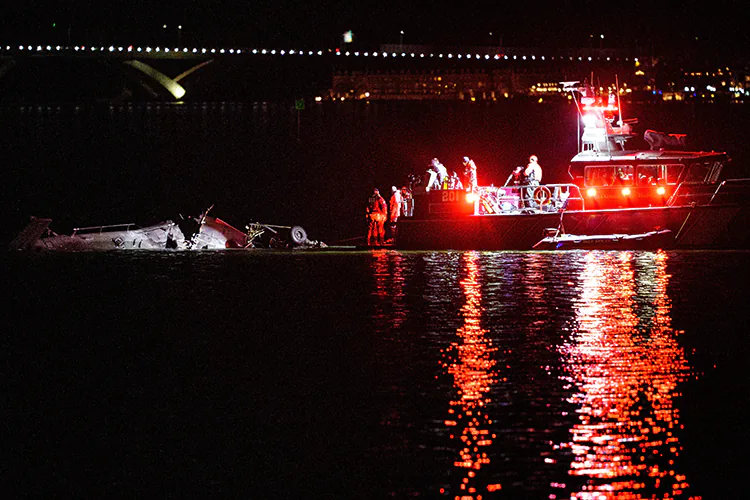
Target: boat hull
(700, 227)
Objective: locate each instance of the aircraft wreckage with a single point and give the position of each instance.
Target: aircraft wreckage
(204, 232)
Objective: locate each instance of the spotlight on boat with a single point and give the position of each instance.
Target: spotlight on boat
(660, 190)
(471, 197)
(625, 191)
(591, 192)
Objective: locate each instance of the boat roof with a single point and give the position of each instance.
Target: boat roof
(643, 155)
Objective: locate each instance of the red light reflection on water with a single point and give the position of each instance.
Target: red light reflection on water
(470, 361)
(388, 271)
(626, 362)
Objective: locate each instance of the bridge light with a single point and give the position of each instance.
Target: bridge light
(222, 51)
(591, 192)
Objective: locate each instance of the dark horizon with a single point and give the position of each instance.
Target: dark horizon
(689, 29)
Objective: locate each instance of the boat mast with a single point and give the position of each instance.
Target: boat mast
(619, 105)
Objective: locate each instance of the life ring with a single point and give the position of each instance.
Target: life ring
(542, 195)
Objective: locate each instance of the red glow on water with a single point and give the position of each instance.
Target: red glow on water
(626, 363)
(471, 363)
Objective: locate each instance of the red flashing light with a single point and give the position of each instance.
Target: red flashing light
(626, 191)
(471, 197)
(661, 190)
(591, 192)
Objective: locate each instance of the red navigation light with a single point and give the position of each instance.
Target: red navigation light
(591, 192)
(471, 197)
(660, 190)
(625, 191)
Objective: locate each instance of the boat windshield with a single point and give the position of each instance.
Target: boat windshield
(609, 175)
(706, 171)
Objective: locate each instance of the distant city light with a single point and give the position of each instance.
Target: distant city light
(348, 37)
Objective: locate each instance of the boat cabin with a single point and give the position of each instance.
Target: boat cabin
(623, 179)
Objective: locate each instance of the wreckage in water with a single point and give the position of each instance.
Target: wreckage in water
(199, 233)
(618, 198)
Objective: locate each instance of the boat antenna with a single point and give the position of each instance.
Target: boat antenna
(619, 105)
(571, 86)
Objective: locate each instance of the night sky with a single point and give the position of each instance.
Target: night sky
(716, 26)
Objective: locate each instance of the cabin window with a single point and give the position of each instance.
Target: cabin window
(673, 173)
(651, 175)
(618, 175)
(698, 172)
(716, 171)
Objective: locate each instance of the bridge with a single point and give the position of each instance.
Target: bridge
(206, 73)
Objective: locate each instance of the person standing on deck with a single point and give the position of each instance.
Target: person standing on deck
(407, 202)
(533, 175)
(438, 175)
(394, 210)
(470, 170)
(377, 213)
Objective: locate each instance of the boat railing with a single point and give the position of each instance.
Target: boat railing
(529, 198)
(104, 229)
(698, 193)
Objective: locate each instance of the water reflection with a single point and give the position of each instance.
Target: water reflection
(625, 363)
(388, 272)
(471, 362)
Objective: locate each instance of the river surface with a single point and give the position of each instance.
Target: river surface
(376, 374)
(352, 374)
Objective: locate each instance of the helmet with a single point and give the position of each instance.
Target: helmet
(533, 158)
(466, 159)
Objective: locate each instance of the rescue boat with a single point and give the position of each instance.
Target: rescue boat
(617, 198)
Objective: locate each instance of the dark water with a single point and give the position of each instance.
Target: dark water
(376, 375)
(352, 375)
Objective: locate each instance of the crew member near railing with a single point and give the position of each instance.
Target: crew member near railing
(470, 170)
(533, 175)
(377, 213)
(438, 175)
(407, 202)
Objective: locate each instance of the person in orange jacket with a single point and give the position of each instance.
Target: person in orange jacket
(377, 213)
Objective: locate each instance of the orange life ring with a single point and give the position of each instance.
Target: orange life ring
(542, 195)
